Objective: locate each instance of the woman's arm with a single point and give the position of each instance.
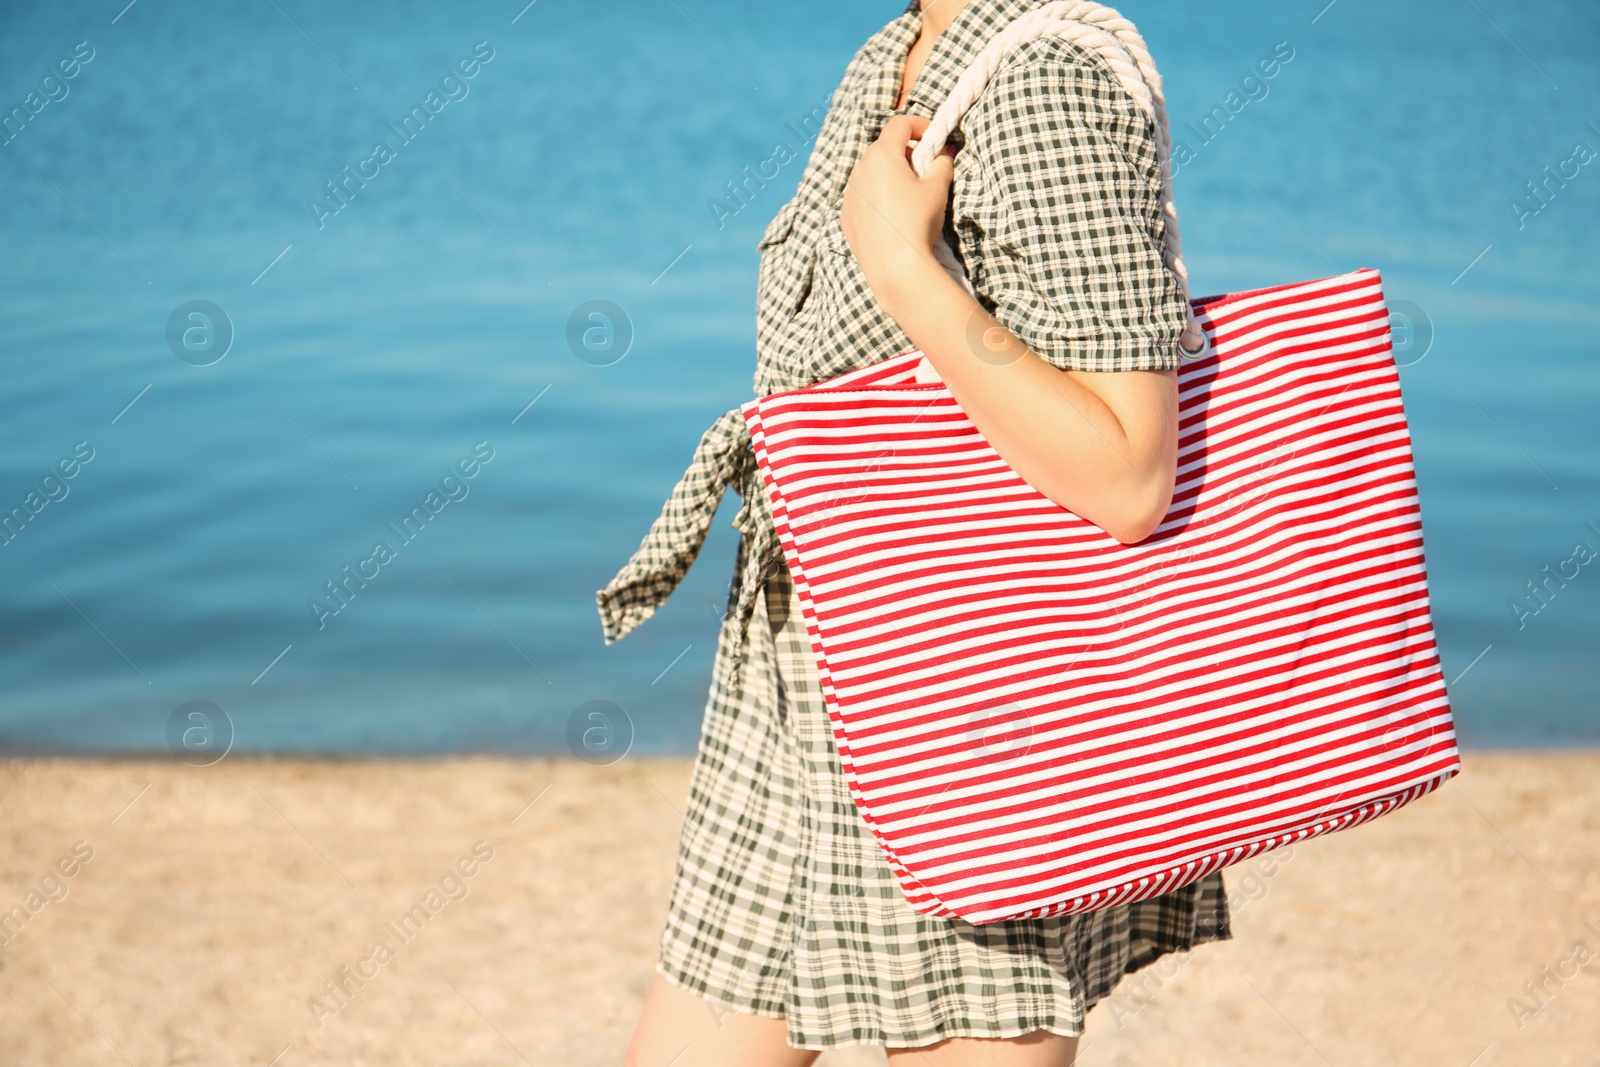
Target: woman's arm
(1102, 444)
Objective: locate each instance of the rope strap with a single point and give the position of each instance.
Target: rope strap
(1101, 30)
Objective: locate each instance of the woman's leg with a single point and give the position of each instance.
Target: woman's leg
(1040, 1048)
(684, 1030)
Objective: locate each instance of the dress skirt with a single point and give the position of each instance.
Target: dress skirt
(783, 904)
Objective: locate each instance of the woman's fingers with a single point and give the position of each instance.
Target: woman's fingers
(903, 127)
(941, 172)
(889, 211)
(901, 132)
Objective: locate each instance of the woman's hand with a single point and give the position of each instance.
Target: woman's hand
(891, 218)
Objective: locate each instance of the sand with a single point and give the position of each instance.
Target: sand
(207, 908)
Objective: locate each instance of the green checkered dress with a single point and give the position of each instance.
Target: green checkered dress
(783, 904)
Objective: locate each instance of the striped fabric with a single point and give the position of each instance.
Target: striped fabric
(1036, 719)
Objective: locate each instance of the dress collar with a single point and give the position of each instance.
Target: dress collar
(975, 26)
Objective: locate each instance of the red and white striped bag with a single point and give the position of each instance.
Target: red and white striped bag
(1035, 719)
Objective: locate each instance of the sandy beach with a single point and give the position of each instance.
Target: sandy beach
(164, 914)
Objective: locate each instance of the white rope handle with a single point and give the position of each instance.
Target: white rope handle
(1114, 39)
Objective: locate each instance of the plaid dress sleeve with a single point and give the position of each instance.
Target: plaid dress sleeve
(1058, 213)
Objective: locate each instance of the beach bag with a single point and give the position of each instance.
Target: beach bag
(1035, 719)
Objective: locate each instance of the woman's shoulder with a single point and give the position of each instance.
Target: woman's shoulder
(1053, 76)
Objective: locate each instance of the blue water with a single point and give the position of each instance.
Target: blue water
(370, 354)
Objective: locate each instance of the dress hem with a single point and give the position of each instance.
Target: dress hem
(703, 989)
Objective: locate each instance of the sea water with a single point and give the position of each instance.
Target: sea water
(264, 346)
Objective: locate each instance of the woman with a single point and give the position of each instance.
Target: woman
(787, 933)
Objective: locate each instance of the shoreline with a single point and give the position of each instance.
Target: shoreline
(157, 756)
